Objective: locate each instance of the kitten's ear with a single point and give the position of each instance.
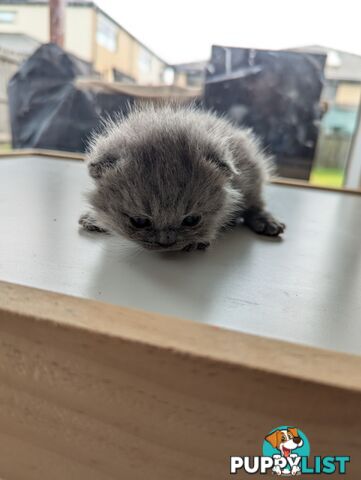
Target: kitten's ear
(219, 162)
(99, 167)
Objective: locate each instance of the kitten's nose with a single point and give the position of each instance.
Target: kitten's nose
(166, 238)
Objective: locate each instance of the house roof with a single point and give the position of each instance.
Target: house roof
(340, 65)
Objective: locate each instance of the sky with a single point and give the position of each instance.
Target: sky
(184, 30)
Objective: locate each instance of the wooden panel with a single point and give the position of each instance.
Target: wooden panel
(94, 391)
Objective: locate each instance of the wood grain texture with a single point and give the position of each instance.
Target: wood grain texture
(94, 391)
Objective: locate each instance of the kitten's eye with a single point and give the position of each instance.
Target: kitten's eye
(191, 220)
(139, 222)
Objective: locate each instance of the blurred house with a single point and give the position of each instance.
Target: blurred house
(343, 75)
(90, 34)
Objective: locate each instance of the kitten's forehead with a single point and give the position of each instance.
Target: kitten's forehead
(165, 176)
(163, 161)
(171, 195)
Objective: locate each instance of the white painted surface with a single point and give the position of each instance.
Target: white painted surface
(305, 288)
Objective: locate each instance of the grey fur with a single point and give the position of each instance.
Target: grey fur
(166, 163)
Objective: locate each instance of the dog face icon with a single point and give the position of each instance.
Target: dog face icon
(285, 440)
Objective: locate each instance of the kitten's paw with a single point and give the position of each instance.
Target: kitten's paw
(88, 222)
(263, 223)
(189, 248)
(196, 246)
(203, 245)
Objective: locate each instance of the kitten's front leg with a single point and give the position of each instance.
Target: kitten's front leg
(89, 223)
(263, 222)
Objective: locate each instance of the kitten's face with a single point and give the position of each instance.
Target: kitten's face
(164, 196)
(160, 184)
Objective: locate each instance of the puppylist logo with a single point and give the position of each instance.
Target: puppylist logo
(286, 452)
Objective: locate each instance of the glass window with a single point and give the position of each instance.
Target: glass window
(7, 17)
(145, 60)
(297, 84)
(107, 33)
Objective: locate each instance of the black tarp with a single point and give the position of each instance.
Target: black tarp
(277, 94)
(48, 110)
(51, 109)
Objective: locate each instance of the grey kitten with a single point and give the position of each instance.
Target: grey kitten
(171, 177)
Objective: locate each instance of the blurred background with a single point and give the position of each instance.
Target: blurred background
(289, 70)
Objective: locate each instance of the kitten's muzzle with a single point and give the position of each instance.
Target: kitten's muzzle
(166, 238)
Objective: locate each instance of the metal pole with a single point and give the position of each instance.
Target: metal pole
(57, 21)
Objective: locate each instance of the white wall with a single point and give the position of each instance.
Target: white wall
(31, 20)
(79, 31)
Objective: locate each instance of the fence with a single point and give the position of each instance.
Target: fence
(333, 150)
